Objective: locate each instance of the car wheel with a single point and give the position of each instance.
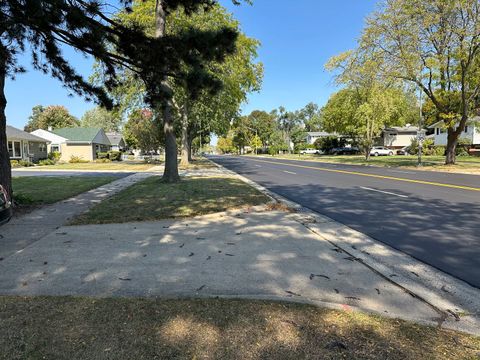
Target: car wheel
(390, 153)
(376, 154)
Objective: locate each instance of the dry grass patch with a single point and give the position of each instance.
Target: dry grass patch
(153, 199)
(84, 328)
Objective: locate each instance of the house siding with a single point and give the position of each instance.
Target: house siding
(398, 140)
(471, 135)
(84, 151)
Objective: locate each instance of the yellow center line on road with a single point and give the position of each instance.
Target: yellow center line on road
(470, 188)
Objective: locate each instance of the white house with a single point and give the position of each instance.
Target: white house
(471, 132)
(399, 136)
(55, 141)
(312, 136)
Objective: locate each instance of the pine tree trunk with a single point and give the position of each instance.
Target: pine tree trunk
(185, 158)
(170, 173)
(450, 154)
(5, 169)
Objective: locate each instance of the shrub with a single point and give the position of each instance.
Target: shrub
(25, 163)
(102, 155)
(439, 150)
(76, 159)
(273, 150)
(462, 147)
(46, 162)
(14, 163)
(55, 156)
(115, 155)
(103, 161)
(327, 143)
(131, 157)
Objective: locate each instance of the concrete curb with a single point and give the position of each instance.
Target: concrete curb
(457, 303)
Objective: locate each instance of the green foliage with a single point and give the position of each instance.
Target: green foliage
(77, 159)
(143, 132)
(14, 163)
(33, 120)
(103, 160)
(327, 143)
(225, 145)
(102, 155)
(25, 163)
(54, 116)
(99, 117)
(46, 162)
(303, 146)
(54, 155)
(115, 155)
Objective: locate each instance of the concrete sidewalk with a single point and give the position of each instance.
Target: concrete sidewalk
(249, 254)
(24, 230)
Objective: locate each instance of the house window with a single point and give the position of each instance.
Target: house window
(14, 149)
(438, 131)
(55, 148)
(466, 128)
(42, 147)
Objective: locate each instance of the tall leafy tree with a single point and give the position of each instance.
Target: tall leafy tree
(32, 123)
(191, 47)
(100, 117)
(53, 116)
(435, 45)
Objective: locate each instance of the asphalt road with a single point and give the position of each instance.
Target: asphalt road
(432, 216)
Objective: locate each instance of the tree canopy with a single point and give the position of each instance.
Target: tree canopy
(54, 116)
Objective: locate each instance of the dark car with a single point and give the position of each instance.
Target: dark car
(5, 207)
(345, 151)
(404, 151)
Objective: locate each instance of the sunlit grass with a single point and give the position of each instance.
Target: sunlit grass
(152, 199)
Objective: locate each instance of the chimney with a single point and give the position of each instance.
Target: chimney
(50, 128)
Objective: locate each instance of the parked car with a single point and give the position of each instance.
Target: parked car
(345, 151)
(310, 151)
(381, 151)
(404, 151)
(5, 207)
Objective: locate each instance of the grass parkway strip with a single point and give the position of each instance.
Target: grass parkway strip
(372, 175)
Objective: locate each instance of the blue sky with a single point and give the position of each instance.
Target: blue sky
(297, 38)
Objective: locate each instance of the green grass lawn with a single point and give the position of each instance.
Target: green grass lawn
(38, 190)
(121, 328)
(120, 165)
(152, 199)
(434, 162)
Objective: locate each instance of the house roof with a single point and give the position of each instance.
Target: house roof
(14, 133)
(51, 137)
(115, 138)
(441, 122)
(320, 133)
(78, 134)
(404, 129)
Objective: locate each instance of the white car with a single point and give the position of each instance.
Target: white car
(381, 150)
(310, 151)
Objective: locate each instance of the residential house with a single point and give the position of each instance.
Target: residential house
(471, 132)
(313, 136)
(84, 143)
(398, 136)
(117, 141)
(24, 146)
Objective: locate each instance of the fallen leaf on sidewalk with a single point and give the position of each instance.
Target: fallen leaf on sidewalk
(201, 288)
(315, 275)
(352, 298)
(191, 254)
(292, 293)
(124, 279)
